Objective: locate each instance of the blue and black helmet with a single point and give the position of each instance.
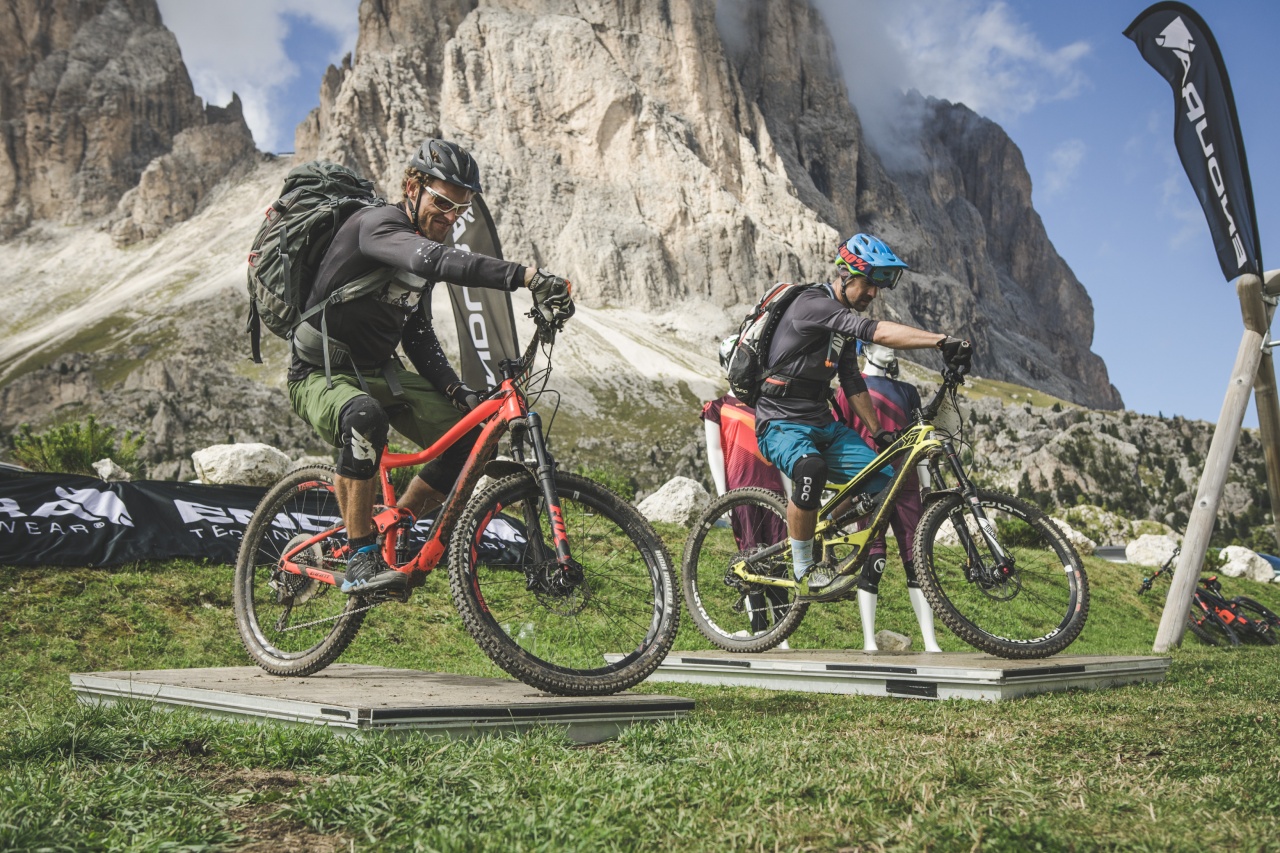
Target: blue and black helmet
(863, 254)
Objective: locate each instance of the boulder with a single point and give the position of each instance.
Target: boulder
(1243, 563)
(892, 641)
(678, 502)
(108, 470)
(1083, 544)
(250, 464)
(1150, 550)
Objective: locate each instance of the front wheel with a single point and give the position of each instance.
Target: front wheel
(290, 624)
(599, 629)
(742, 525)
(1030, 603)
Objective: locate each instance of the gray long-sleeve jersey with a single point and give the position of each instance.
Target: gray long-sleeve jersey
(372, 325)
(800, 348)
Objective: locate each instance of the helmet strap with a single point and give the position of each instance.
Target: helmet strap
(411, 206)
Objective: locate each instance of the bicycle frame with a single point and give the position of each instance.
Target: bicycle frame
(507, 407)
(920, 441)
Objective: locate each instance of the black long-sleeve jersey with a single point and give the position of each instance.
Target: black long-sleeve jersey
(399, 313)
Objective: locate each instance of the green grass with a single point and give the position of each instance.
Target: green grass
(1192, 763)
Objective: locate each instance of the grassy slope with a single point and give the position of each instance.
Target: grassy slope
(1189, 763)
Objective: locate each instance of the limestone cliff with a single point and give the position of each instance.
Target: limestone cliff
(91, 93)
(657, 155)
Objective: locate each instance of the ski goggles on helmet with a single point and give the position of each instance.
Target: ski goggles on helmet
(885, 278)
(444, 204)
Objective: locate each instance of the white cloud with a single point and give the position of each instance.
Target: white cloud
(1064, 162)
(239, 46)
(964, 51)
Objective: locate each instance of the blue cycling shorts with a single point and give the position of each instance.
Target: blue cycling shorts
(784, 442)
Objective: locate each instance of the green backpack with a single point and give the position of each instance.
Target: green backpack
(317, 198)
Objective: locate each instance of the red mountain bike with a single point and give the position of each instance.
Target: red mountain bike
(549, 571)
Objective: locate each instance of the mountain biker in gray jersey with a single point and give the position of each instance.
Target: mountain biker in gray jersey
(351, 411)
(814, 341)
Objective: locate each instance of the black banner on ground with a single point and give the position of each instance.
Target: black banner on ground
(1176, 42)
(486, 323)
(65, 520)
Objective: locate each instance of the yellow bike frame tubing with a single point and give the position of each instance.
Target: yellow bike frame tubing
(919, 438)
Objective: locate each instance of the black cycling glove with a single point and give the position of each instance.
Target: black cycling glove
(552, 296)
(886, 437)
(464, 399)
(956, 353)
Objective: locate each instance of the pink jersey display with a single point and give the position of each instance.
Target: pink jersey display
(744, 466)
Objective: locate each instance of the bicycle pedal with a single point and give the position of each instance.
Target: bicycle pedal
(839, 587)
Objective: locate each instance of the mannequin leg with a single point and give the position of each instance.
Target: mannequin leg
(924, 615)
(867, 609)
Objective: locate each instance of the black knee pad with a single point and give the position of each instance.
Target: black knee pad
(364, 428)
(808, 478)
(872, 571)
(911, 574)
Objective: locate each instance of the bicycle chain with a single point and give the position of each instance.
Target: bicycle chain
(330, 618)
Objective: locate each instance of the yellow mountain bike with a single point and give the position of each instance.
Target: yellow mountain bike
(997, 571)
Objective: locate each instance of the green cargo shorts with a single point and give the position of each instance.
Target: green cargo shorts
(421, 414)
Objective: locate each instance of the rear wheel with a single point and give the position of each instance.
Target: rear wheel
(1263, 622)
(291, 624)
(735, 615)
(1032, 603)
(600, 632)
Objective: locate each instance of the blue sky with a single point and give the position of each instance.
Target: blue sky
(1093, 120)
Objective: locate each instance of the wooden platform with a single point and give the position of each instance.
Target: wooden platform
(353, 698)
(912, 675)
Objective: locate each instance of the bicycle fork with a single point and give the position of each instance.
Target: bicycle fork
(978, 570)
(570, 574)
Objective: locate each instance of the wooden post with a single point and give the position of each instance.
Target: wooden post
(1213, 479)
(1267, 400)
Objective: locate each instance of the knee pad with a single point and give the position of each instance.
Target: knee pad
(872, 571)
(364, 427)
(809, 477)
(912, 583)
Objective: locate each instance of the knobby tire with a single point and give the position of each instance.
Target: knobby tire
(299, 505)
(1037, 610)
(554, 638)
(735, 616)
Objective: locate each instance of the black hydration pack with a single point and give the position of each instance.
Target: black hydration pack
(285, 258)
(746, 366)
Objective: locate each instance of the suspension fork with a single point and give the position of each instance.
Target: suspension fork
(969, 494)
(546, 475)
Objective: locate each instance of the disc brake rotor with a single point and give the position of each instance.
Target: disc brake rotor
(298, 589)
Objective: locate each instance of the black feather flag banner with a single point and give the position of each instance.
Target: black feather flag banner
(1175, 41)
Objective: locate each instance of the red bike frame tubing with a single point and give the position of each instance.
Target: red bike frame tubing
(507, 405)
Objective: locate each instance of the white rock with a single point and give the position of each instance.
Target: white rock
(1083, 544)
(108, 470)
(1150, 550)
(892, 641)
(1243, 563)
(249, 464)
(677, 502)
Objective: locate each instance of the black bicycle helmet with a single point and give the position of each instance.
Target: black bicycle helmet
(448, 161)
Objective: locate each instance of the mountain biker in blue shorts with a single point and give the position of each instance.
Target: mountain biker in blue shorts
(815, 341)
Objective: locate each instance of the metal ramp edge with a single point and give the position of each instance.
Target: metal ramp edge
(906, 675)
